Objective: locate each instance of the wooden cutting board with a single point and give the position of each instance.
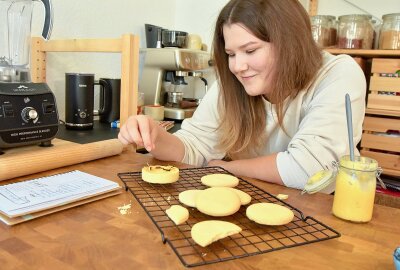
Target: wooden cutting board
(26, 160)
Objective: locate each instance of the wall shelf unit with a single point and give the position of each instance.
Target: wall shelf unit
(127, 46)
(366, 53)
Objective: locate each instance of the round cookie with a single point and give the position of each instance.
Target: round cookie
(269, 214)
(220, 180)
(188, 197)
(157, 174)
(178, 214)
(243, 196)
(218, 202)
(206, 232)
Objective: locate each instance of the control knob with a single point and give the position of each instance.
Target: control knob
(82, 115)
(29, 114)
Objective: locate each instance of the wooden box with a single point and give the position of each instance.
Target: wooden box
(381, 128)
(384, 85)
(381, 141)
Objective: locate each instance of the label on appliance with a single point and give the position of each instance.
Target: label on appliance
(24, 88)
(28, 135)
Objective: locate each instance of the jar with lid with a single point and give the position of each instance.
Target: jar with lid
(390, 32)
(355, 188)
(355, 32)
(377, 30)
(333, 31)
(323, 29)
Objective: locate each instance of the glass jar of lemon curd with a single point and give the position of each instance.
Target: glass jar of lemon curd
(355, 188)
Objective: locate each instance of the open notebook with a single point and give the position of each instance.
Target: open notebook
(30, 199)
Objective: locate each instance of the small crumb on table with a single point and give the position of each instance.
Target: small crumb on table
(282, 196)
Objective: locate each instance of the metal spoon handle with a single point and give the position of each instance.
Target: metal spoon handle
(350, 126)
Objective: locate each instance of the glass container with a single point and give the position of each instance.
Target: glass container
(355, 31)
(333, 31)
(140, 103)
(15, 36)
(396, 258)
(322, 29)
(390, 32)
(355, 188)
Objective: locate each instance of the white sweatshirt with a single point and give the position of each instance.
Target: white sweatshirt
(315, 122)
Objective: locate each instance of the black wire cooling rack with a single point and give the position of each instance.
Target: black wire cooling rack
(252, 240)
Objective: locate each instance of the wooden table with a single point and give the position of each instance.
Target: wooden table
(100, 236)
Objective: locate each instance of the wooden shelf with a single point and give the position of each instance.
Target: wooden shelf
(127, 45)
(382, 112)
(365, 53)
(313, 7)
(391, 172)
(377, 142)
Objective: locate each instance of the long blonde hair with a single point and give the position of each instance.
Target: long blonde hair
(286, 25)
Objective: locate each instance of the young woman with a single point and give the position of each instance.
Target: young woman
(277, 111)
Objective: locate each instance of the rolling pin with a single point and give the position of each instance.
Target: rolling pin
(26, 162)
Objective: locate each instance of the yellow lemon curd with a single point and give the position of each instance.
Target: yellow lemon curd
(355, 189)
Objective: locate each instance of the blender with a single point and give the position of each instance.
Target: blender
(28, 112)
(15, 34)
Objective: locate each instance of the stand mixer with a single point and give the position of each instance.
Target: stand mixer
(172, 65)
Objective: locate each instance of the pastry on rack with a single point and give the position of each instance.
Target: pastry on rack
(209, 231)
(220, 180)
(158, 174)
(188, 197)
(269, 214)
(218, 201)
(178, 214)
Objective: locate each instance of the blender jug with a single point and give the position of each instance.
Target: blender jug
(15, 35)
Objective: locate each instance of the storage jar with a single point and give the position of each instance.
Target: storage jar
(355, 188)
(323, 28)
(390, 32)
(355, 31)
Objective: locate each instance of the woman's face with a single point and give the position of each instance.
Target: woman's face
(251, 59)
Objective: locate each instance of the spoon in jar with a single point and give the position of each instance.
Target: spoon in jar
(350, 134)
(349, 126)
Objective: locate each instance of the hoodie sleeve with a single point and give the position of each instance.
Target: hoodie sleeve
(322, 134)
(199, 133)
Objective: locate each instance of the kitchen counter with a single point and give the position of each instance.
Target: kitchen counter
(102, 235)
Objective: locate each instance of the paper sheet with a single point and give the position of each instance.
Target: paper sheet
(43, 193)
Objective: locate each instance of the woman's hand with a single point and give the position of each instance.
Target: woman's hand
(141, 130)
